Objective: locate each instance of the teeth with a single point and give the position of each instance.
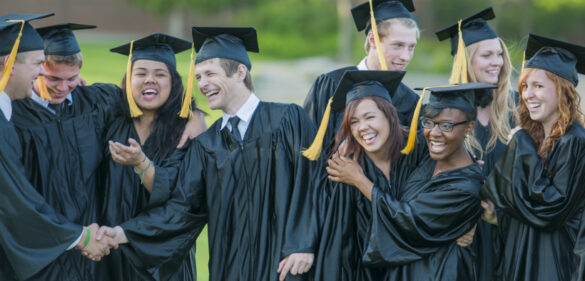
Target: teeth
(437, 143)
(368, 137)
(150, 91)
(533, 105)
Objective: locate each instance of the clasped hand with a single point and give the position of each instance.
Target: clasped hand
(100, 240)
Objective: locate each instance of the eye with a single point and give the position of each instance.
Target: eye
(446, 126)
(353, 122)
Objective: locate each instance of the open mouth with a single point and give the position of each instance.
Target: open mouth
(369, 138)
(437, 146)
(149, 94)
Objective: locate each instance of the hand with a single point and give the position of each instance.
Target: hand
(297, 263)
(116, 233)
(489, 213)
(467, 238)
(512, 132)
(127, 155)
(344, 170)
(80, 81)
(194, 127)
(95, 249)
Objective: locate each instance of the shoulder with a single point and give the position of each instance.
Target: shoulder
(575, 135)
(335, 75)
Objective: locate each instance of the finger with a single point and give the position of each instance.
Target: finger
(285, 270)
(294, 270)
(332, 172)
(133, 143)
(333, 178)
(281, 264)
(182, 141)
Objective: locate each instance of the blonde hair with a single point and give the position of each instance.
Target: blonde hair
(568, 108)
(503, 107)
(71, 60)
(384, 28)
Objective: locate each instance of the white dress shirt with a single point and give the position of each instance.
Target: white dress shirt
(362, 65)
(6, 105)
(45, 103)
(244, 113)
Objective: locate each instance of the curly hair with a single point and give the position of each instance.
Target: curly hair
(568, 108)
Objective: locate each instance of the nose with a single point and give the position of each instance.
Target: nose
(406, 54)
(527, 93)
(202, 84)
(41, 70)
(62, 85)
(435, 131)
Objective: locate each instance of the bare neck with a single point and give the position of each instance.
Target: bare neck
(143, 125)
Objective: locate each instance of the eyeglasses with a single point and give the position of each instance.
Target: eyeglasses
(444, 126)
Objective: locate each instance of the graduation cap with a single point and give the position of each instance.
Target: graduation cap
(355, 84)
(59, 39)
(474, 29)
(225, 42)
(157, 47)
(383, 10)
(17, 36)
(460, 96)
(561, 58)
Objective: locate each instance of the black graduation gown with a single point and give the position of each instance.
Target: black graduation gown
(414, 234)
(404, 99)
(61, 154)
(254, 196)
(540, 206)
(344, 216)
(124, 197)
(32, 234)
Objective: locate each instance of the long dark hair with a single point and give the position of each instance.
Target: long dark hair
(167, 127)
(351, 148)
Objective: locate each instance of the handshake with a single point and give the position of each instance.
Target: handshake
(96, 241)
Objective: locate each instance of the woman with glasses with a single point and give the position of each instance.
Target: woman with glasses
(538, 183)
(412, 208)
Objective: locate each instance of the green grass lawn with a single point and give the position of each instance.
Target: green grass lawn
(100, 65)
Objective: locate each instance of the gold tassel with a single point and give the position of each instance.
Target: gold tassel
(44, 92)
(413, 125)
(523, 61)
(134, 109)
(11, 58)
(187, 96)
(312, 153)
(459, 74)
(377, 38)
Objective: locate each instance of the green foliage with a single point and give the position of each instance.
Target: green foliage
(557, 4)
(162, 7)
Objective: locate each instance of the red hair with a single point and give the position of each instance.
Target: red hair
(568, 108)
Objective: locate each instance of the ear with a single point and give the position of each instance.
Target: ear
(242, 70)
(371, 40)
(470, 127)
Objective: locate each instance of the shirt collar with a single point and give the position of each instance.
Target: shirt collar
(244, 113)
(45, 103)
(362, 65)
(6, 105)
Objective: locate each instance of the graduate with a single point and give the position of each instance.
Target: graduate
(481, 56)
(389, 45)
(537, 185)
(245, 177)
(416, 221)
(34, 235)
(141, 162)
(371, 134)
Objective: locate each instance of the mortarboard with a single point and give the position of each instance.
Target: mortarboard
(17, 36)
(59, 39)
(561, 58)
(460, 96)
(354, 85)
(383, 10)
(157, 47)
(474, 29)
(225, 42)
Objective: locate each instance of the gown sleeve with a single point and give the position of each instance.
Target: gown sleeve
(161, 237)
(300, 229)
(541, 194)
(165, 176)
(33, 234)
(409, 230)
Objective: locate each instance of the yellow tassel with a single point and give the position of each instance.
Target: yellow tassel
(187, 96)
(413, 126)
(377, 38)
(459, 74)
(312, 153)
(10, 62)
(134, 109)
(523, 61)
(44, 92)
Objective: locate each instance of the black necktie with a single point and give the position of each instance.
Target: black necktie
(234, 121)
(56, 107)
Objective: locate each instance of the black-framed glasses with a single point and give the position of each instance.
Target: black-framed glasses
(445, 126)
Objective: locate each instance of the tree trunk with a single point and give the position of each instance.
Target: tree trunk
(344, 47)
(176, 22)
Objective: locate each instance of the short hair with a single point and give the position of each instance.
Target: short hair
(384, 26)
(19, 58)
(231, 66)
(71, 60)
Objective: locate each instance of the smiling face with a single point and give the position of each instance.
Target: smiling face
(539, 94)
(151, 84)
(487, 61)
(61, 79)
(25, 70)
(370, 128)
(215, 85)
(443, 146)
(397, 46)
